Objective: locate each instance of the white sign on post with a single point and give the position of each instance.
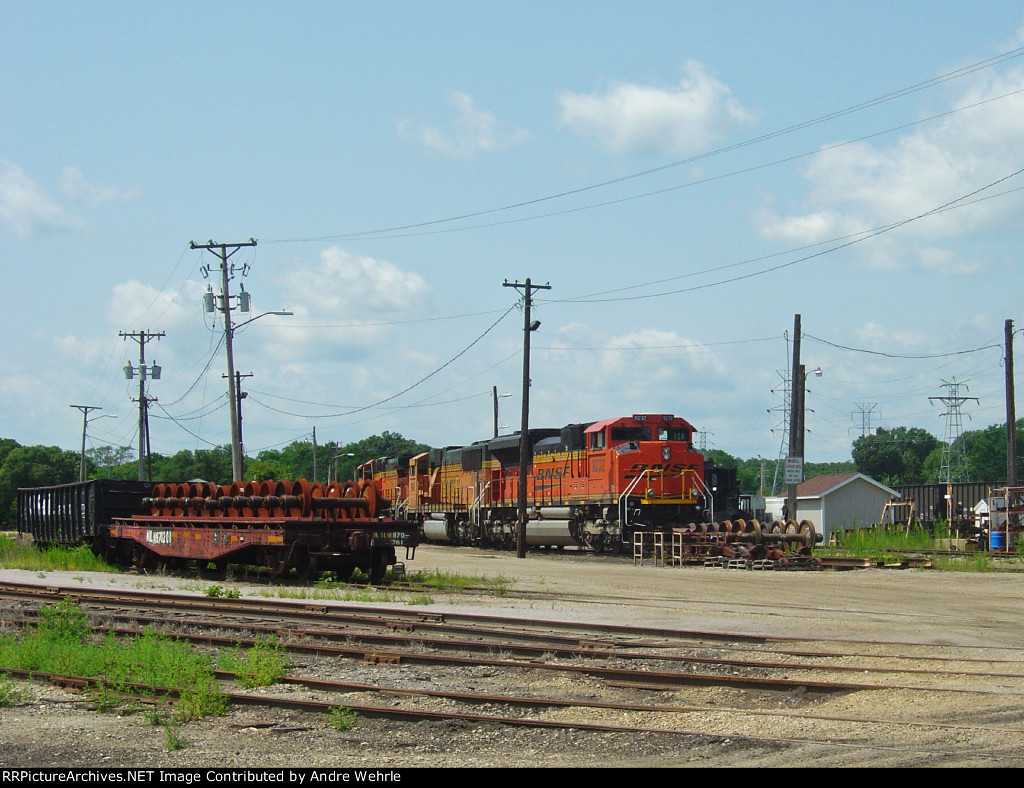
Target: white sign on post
(794, 470)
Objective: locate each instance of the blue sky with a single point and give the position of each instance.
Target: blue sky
(687, 176)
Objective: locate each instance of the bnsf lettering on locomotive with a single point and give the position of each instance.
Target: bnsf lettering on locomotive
(638, 468)
(546, 474)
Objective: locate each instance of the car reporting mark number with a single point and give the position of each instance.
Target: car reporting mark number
(158, 536)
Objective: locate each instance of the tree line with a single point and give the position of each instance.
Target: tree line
(899, 456)
(44, 466)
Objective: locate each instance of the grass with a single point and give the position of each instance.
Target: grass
(451, 581)
(11, 694)
(263, 664)
(63, 643)
(890, 544)
(969, 562)
(19, 554)
(341, 718)
(337, 593)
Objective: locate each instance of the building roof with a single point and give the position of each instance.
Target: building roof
(820, 486)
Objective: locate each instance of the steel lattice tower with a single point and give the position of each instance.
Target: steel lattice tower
(785, 387)
(954, 461)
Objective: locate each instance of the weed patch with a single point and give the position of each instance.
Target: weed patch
(17, 554)
(341, 718)
(262, 665)
(62, 643)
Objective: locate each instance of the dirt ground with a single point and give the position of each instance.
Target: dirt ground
(950, 610)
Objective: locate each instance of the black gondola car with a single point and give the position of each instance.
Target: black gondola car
(79, 513)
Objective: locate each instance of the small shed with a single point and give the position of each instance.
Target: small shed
(983, 512)
(837, 501)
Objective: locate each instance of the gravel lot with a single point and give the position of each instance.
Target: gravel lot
(952, 614)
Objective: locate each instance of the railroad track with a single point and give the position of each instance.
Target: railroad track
(410, 665)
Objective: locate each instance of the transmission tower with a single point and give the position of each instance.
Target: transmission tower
(865, 410)
(954, 460)
(785, 387)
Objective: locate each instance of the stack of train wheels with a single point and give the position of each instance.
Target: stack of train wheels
(283, 525)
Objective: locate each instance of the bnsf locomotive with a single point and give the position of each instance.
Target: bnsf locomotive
(279, 525)
(591, 485)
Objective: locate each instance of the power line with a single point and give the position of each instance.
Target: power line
(772, 269)
(403, 391)
(903, 355)
(902, 92)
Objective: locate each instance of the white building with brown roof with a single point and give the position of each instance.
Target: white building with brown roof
(836, 501)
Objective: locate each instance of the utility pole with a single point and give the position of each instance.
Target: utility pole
(221, 251)
(85, 424)
(142, 337)
(525, 449)
(796, 426)
(239, 396)
(1011, 417)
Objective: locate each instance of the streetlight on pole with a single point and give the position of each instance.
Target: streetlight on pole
(334, 463)
(497, 396)
(525, 449)
(85, 425)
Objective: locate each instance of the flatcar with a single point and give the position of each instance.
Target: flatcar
(592, 485)
(279, 525)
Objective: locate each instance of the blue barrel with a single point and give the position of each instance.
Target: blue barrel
(997, 540)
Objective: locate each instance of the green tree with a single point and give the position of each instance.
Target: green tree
(294, 461)
(7, 445)
(260, 470)
(894, 456)
(211, 465)
(812, 469)
(33, 466)
(105, 458)
(985, 453)
(387, 444)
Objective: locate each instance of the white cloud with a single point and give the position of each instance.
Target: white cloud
(945, 261)
(471, 132)
(860, 186)
(631, 118)
(25, 207)
(872, 335)
(590, 360)
(351, 284)
(74, 186)
(354, 292)
(133, 302)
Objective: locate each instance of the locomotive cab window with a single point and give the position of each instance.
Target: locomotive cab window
(674, 434)
(597, 440)
(630, 434)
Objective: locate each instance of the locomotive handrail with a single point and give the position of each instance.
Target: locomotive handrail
(475, 506)
(707, 497)
(624, 512)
